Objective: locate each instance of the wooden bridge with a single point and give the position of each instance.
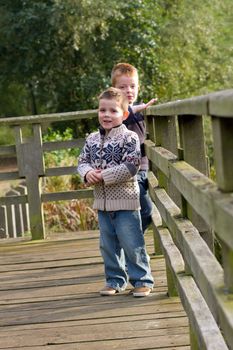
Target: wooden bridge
(49, 287)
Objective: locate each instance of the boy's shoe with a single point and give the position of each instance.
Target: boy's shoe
(108, 291)
(141, 291)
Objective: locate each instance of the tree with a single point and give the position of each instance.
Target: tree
(193, 59)
(59, 54)
(44, 49)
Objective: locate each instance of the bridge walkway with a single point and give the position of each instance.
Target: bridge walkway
(49, 300)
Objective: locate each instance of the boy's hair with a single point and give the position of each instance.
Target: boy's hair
(115, 94)
(122, 69)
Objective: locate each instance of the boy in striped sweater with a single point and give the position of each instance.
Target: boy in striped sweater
(125, 77)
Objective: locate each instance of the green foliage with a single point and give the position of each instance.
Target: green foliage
(48, 51)
(209, 146)
(59, 54)
(14, 100)
(61, 157)
(193, 59)
(72, 215)
(6, 136)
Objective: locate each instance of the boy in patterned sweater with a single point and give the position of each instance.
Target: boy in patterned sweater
(110, 160)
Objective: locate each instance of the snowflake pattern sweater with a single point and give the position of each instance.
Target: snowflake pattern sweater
(118, 155)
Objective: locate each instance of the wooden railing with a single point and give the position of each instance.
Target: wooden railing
(194, 210)
(31, 170)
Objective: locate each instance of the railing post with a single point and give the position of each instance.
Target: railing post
(3, 222)
(193, 146)
(223, 160)
(193, 339)
(18, 215)
(150, 127)
(31, 166)
(25, 212)
(223, 152)
(11, 222)
(166, 137)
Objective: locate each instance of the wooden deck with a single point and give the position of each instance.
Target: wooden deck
(49, 300)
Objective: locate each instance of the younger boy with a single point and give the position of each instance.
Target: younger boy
(125, 77)
(110, 160)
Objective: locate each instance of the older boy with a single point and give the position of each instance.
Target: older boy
(110, 160)
(125, 77)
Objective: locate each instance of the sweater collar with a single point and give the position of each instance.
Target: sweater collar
(114, 131)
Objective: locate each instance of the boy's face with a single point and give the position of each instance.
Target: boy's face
(110, 113)
(129, 85)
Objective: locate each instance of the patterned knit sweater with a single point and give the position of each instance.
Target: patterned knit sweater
(118, 155)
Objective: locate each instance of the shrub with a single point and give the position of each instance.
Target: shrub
(65, 216)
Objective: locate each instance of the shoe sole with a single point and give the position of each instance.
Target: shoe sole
(140, 295)
(108, 293)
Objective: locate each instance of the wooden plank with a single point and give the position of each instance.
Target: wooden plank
(202, 321)
(98, 333)
(200, 260)
(221, 103)
(150, 126)
(3, 222)
(218, 104)
(15, 199)
(223, 152)
(7, 150)
(61, 305)
(213, 206)
(168, 319)
(59, 171)
(164, 342)
(192, 141)
(166, 137)
(48, 118)
(165, 133)
(202, 193)
(195, 105)
(193, 145)
(154, 323)
(160, 156)
(56, 145)
(96, 311)
(67, 195)
(9, 175)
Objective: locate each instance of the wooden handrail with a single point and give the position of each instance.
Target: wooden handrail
(195, 209)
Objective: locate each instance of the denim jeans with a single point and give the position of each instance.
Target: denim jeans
(145, 201)
(122, 241)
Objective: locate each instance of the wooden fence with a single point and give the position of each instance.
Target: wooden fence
(194, 210)
(31, 170)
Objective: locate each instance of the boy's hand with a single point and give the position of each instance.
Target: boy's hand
(142, 106)
(93, 177)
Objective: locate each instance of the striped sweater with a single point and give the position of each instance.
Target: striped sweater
(136, 123)
(117, 154)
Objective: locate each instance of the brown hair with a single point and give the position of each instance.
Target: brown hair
(116, 94)
(122, 69)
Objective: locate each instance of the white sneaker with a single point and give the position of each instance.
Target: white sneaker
(108, 291)
(141, 291)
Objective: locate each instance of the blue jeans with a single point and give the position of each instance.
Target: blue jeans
(145, 201)
(122, 241)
